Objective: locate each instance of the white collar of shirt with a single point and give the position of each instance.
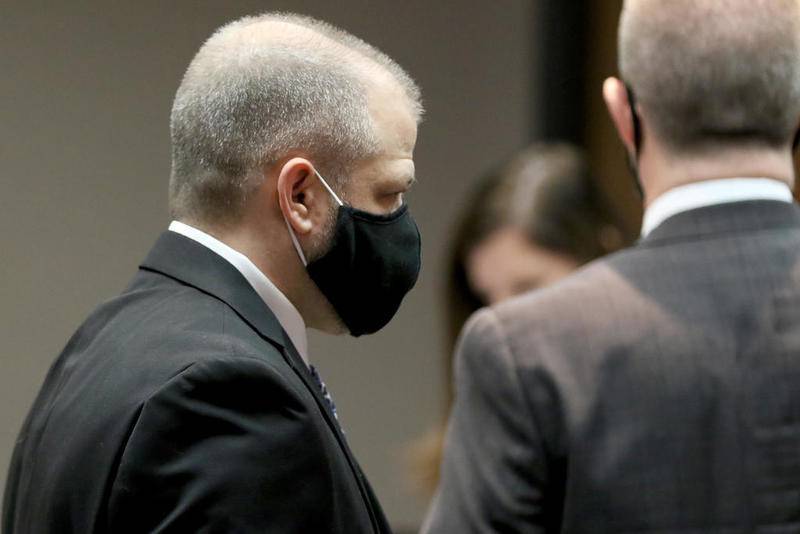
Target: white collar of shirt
(290, 319)
(709, 193)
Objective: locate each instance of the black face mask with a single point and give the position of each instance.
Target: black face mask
(373, 261)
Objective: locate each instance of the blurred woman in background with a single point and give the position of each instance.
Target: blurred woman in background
(533, 221)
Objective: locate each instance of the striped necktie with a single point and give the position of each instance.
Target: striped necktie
(323, 389)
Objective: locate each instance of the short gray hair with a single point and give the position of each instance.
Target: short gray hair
(714, 72)
(258, 89)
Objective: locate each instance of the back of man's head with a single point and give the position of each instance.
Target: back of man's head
(262, 88)
(714, 73)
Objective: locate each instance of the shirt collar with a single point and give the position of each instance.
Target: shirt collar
(290, 319)
(709, 193)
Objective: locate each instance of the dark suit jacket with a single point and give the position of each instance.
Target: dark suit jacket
(181, 406)
(657, 390)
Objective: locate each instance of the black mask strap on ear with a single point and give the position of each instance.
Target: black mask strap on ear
(637, 124)
(633, 160)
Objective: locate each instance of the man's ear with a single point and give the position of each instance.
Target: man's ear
(619, 109)
(298, 194)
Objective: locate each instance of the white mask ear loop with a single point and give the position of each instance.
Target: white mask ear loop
(289, 226)
(335, 197)
(296, 243)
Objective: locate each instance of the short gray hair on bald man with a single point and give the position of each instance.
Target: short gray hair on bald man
(712, 73)
(260, 88)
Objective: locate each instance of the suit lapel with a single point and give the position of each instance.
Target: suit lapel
(300, 368)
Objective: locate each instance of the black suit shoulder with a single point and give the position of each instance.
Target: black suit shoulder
(196, 457)
(158, 327)
(167, 411)
(181, 406)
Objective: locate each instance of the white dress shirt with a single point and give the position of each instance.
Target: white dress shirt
(709, 193)
(288, 316)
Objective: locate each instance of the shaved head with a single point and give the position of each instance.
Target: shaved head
(709, 73)
(262, 88)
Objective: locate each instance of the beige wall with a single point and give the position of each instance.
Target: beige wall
(85, 93)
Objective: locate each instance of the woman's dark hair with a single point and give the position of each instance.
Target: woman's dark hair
(545, 191)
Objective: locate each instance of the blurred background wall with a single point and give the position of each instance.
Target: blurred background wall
(85, 94)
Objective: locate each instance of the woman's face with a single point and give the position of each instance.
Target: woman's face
(508, 263)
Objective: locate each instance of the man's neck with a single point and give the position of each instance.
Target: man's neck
(662, 171)
(275, 256)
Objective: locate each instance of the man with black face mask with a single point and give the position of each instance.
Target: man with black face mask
(188, 403)
(373, 261)
(658, 389)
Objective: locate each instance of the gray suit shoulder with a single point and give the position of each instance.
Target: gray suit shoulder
(594, 298)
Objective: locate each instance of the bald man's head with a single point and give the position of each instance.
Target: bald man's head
(709, 73)
(262, 88)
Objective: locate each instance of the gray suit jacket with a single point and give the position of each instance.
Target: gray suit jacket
(657, 390)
